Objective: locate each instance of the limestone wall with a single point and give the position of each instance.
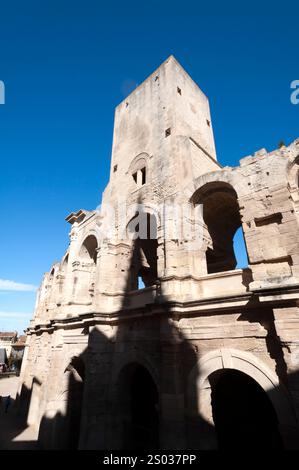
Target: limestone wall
(197, 313)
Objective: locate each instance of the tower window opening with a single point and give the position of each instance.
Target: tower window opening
(143, 269)
(167, 132)
(140, 176)
(143, 172)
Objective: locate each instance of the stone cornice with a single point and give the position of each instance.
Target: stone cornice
(176, 310)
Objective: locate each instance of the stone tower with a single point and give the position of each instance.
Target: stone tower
(146, 335)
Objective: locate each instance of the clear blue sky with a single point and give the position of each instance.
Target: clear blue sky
(67, 64)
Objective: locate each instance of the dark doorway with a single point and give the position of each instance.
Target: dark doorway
(243, 414)
(142, 428)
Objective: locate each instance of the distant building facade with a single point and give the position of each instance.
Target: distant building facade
(158, 341)
(7, 339)
(18, 348)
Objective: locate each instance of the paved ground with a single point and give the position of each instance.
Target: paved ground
(9, 386)
(14, 433)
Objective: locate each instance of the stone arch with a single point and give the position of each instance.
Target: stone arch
(64, 263)
(87, 257)
(52, 272)
(199, 389)
(142, 231)
(221, 220)
(138, 162)
(145, 208)
(88, 249)
(293, 173)
(130, 357)
(52, 283)
(63, 269)
(139, 169)
(223, 176)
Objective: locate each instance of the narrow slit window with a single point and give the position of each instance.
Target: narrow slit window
(135, 177)
(143, 172)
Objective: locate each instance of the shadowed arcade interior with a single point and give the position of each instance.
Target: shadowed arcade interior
(242, 412)
(139, 409)
(76, 368)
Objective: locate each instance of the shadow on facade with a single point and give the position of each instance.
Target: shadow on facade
(12, 424)
(144, 405)
(131, 388)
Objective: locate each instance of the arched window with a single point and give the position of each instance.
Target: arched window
(139, 169)
(222, 220)
(88, 251)
(51, 276)
(143, 270)
(64, 264)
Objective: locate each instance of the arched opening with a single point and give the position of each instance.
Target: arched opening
(64, 264)
(88, 251)
(84, 281)
(243, 414)
(143, 271)
(139, 169)
(139, 403)
(51, 276)
(76, 370)
(293, 173)
(62, 273)
(221, 215)
(51, 286)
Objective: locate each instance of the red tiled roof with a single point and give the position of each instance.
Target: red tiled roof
(21, 341)
(8, 333)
